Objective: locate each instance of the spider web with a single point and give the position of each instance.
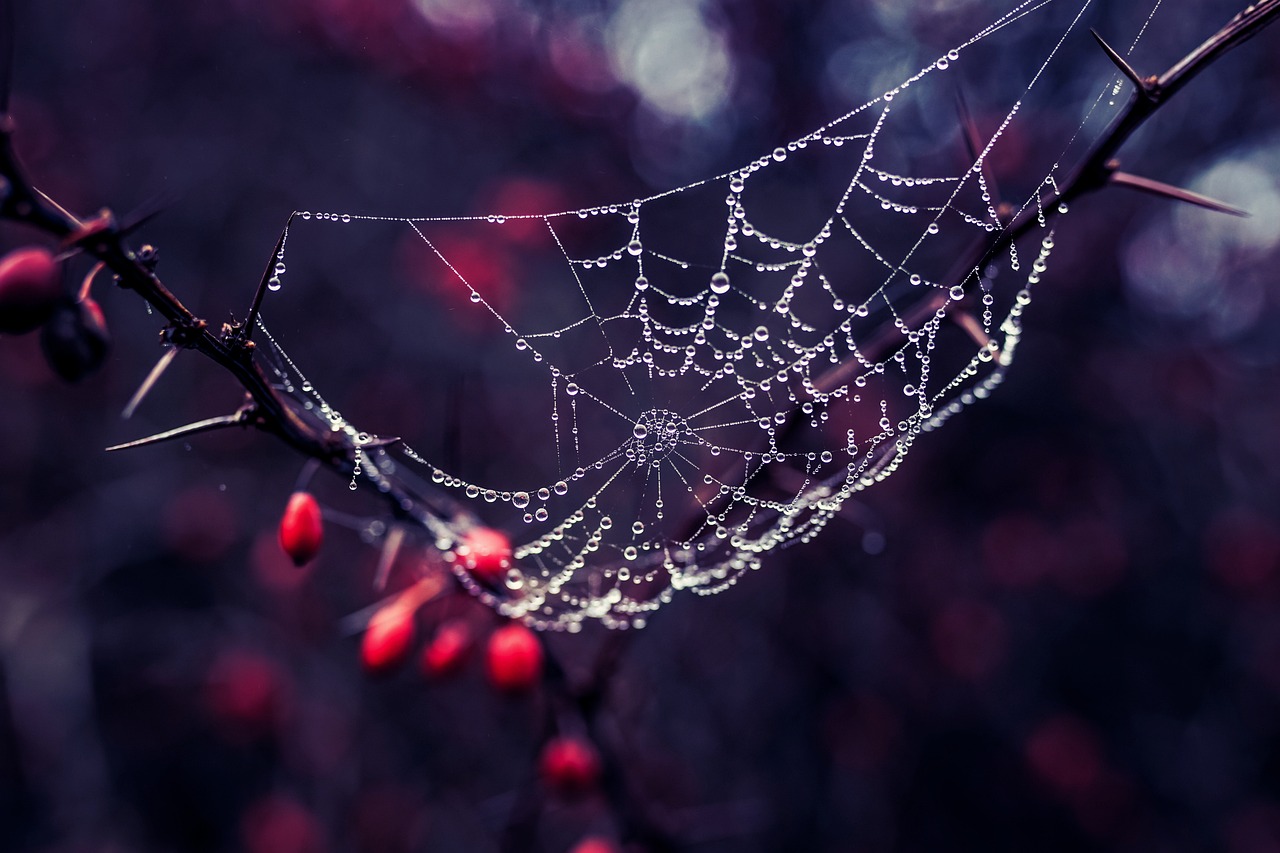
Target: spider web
(708, 374)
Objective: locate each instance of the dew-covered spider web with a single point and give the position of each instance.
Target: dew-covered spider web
(694, 379)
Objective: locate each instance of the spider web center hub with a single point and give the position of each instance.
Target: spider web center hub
(656, 434)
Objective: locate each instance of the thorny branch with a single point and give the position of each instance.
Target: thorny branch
(271, 409)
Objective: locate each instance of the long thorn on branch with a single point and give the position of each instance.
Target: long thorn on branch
(240, 418)
(147, 384)
(1143, 86)
(268, 277)
(1146, 185)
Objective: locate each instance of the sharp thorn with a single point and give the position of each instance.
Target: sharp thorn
(1146, 185)
(1125, 68)
(86, 286)
(189, 429)
(145, 214)
(149, 382)
(972, 140)
(971, 327)
(75, 219)
(267, 275)
(387, 559)
(975, 146)
(381, 441)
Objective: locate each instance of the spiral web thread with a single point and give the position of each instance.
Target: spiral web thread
(719, 368)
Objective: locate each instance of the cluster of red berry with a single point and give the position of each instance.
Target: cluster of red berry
(568, 764)
(32, 296)
(514, 654)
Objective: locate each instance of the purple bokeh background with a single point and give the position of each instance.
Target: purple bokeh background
(1057, 627)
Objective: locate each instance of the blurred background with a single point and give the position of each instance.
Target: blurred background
(1057, 627)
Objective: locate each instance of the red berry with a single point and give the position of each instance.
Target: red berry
(75, 339)
(30, 290)
(569, 765)
(301, 528)
(595, 844)
(448, 649)
(388, 639)
(486, 553)
(514, 658)
(243, 691)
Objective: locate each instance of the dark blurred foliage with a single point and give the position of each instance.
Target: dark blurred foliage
(1056, 628)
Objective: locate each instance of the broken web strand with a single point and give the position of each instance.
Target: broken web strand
(697, 427)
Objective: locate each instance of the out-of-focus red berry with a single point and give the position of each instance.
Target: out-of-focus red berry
(301, 528)
(595, 844)
(569, 765)
(448, 649)
(243, 691)
(75, 339)
(30, 290)
(388, 639)
(280, 824)
(514, 659)
(486, 553)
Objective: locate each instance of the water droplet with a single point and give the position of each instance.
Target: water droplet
(571, 389)
(779, 154)
(720, 282)
(957, 293)
(544, 494)
(735, 183)
(561, 487)
(541, 513)
(520, 500)
(475, 297)
(273, 283)
(641, 431)
(761, 333)
(635, 247)
(642, 283)
(637, 528)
